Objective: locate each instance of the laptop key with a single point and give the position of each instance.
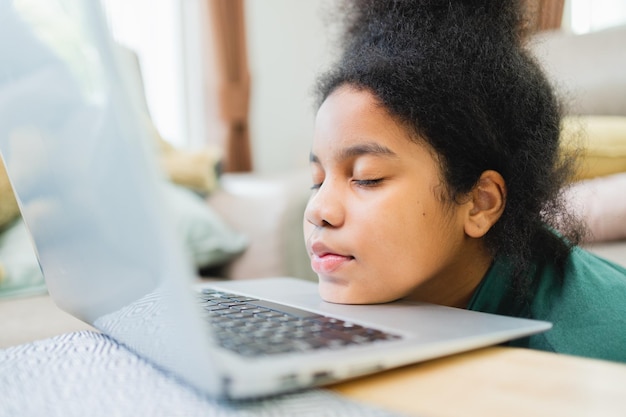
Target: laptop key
(253, 327)
(296, 312)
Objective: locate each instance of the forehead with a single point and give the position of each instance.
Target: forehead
(350, 108)
(351, 122)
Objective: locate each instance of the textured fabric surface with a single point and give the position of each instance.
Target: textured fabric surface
(88, 374)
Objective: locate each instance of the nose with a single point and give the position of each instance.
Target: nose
(325, 207)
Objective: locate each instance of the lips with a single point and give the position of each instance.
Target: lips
(324, 260)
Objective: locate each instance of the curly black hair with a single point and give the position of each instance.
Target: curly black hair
(459, 75)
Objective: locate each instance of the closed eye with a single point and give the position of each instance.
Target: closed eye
(369, 182)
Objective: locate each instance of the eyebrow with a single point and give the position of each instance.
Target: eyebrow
(360, 149)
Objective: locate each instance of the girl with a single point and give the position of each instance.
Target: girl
(437, 177)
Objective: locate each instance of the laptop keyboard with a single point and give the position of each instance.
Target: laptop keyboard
(253, 327)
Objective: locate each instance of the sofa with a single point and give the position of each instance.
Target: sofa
(269, 210)
(588, 72)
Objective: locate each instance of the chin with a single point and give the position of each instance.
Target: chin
(346, 294)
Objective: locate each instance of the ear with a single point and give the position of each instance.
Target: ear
(487, 201)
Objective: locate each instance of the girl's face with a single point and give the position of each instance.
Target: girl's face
(376, 226)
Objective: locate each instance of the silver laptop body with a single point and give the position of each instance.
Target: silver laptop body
(82, 168)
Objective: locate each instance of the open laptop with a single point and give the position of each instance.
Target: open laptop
(89, 190)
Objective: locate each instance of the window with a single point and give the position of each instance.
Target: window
(584, 16)
(152, 30)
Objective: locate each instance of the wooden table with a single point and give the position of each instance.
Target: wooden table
(498, 381)
(495, 381)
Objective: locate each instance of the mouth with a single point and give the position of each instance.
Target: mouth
(328, 263)
(325, 261)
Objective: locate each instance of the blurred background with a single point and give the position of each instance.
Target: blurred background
(262, 55)
(287, 46)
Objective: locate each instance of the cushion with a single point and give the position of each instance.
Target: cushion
(601, 204)
(601, 141)
(207, 238)
(270, 208)
(9, 210)
(197, 169)
(20, 274)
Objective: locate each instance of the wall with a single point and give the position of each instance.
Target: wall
(288, 47)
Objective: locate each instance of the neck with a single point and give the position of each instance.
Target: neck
(455, 286)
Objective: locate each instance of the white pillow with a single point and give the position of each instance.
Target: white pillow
(601, 203)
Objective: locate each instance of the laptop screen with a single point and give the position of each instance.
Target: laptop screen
(84, 173)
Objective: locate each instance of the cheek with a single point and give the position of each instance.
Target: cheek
(398, 222)
(389, 234)
(406, 238)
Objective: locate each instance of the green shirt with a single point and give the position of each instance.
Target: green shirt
(587, 306)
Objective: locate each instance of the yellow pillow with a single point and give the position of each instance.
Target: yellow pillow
(601, 141)
(9, 210)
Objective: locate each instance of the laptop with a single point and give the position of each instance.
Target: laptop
(90, 193)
